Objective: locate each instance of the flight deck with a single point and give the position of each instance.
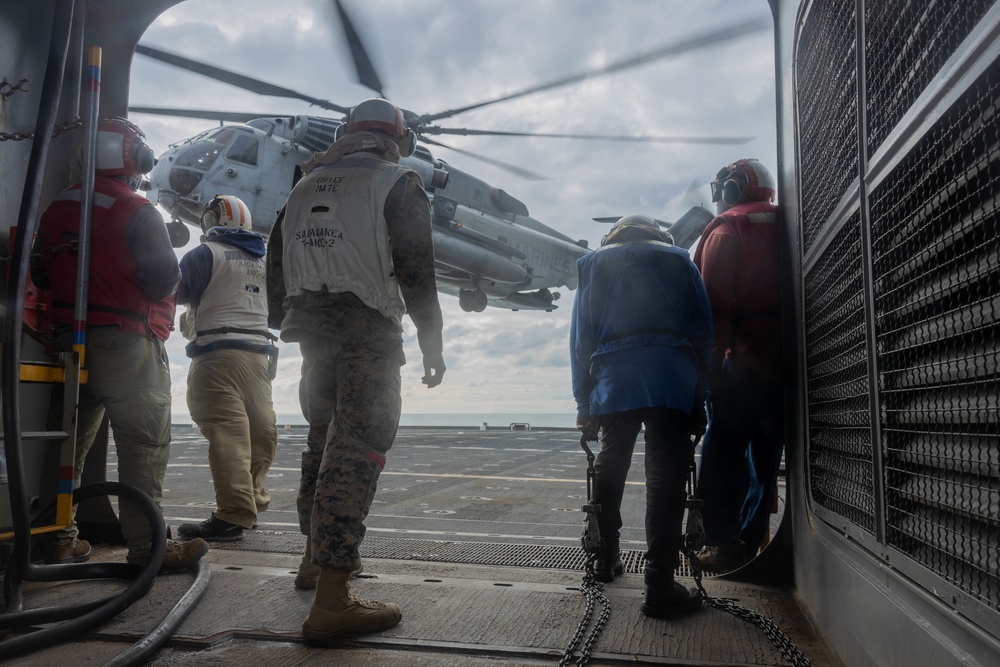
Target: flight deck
(475, 533)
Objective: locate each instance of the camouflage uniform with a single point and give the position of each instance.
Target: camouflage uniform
(350, 388)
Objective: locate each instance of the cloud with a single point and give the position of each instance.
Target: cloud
(437, 55)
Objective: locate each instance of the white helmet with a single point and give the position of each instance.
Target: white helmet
(226, 211)
(636, 228)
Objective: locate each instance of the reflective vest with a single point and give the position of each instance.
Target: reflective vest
(335, 236)
(234, 303)
(115, 297)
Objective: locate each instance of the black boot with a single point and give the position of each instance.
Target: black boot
(605, 570)
(670, 599)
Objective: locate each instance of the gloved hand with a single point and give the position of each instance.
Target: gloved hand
(433, 369)
(588, 426)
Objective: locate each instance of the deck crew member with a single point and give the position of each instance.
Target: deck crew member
(640, 343)
(350, 253)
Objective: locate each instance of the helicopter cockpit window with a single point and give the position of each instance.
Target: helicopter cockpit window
(244, 150)
(200, 155)
(222, 135)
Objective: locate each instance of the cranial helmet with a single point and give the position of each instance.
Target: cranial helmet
(226, 211)
(121, 149)
(742, 180)
(636, 228)
(377, 114)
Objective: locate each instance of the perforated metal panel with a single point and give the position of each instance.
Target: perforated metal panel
(902, 362)
(936, 260)
(828, 102)
(840, 439)
(906, 44)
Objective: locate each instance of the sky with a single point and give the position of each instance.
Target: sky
(434, 55)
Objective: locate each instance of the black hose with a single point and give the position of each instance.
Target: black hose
(148, 645)
(48, 106)
(90, 618)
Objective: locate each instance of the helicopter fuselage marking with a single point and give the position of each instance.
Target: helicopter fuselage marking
(542, 259)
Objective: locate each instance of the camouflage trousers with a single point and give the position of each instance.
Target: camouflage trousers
(351, 398)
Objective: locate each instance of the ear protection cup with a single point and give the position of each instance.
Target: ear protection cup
(408, 144)
(143, 157)
(731, 192)
(340, 131)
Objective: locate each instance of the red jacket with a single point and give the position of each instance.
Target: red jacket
(739, 261)
(116, 297)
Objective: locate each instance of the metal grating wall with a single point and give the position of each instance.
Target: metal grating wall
(906, 43)
(936, 276)
(840, 438)
(903, 423)
(828, 102)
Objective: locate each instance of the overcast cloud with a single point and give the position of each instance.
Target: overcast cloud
(434, 55)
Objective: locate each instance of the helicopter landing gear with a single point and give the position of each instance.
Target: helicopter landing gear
(180, 233)
(472, 301)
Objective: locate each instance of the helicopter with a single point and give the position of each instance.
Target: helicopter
(489, 251)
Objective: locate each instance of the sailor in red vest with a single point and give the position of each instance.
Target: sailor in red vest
(133, 277)
(741, 451)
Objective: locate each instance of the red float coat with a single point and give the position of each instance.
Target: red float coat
(738, 257)
(115, 298)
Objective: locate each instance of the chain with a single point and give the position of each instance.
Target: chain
(7, 89)
(47, 253)
(590, 587)
(693, 539)
(72, 124)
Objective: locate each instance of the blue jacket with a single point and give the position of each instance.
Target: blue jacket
(641, 333)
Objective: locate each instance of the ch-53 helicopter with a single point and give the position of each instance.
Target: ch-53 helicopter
(488, 249)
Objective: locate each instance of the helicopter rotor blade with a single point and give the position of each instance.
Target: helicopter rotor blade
(433, 129)
(519, 171)
(706, 39)
(224, 116)
(367, 76)
(238, 80)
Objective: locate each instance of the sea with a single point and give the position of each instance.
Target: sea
(474, 420)
(469, 419)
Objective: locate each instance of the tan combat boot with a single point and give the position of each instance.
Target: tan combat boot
(308, 572)
(336, 611)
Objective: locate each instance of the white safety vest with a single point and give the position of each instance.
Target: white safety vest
(335, 236)
(235, 300)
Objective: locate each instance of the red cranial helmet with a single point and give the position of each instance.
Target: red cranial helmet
(121, 149)
(742, 180)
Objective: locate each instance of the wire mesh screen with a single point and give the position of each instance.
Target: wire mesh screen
(936, 281)
(840, 441)
(827, 100)
(906, 43)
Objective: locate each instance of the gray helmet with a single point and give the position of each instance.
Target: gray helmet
(636, 228)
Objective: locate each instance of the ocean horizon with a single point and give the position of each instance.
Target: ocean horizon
(452, 419)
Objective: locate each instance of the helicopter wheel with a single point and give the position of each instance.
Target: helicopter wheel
(472, 301)
(180, 234)
(479, 301)
(465, 300)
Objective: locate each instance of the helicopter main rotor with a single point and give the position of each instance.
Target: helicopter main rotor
(422, 124)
